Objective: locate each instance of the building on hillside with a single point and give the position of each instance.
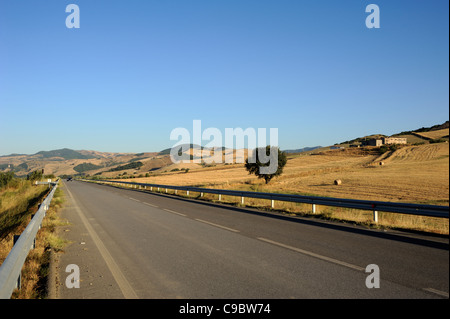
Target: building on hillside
(372, 142)
(395, 140)
(384, 141)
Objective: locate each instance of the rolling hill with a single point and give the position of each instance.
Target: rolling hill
(87, 162)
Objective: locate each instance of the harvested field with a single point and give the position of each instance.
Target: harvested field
(435, 134)
(416, 174)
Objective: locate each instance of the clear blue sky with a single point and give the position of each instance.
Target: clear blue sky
(135, 70)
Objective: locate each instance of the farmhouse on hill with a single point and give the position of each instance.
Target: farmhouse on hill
(385, 141)
(395, 140)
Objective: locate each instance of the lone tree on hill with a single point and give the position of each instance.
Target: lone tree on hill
(266, 162)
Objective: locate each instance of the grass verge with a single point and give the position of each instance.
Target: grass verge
(35, 271)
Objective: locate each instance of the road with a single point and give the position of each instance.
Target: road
(132, 244)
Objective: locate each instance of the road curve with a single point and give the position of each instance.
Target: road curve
(133, 244)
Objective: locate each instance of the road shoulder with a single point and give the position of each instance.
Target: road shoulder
(95, 278)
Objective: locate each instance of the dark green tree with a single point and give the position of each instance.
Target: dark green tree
(261, 162)
(6, 178)
(36, 175)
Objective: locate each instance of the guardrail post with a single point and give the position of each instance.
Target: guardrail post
(313, 208)
(19, 279)
(187, 193)
(201, 194)
(242, 200)
(272, 204)
(375, 216)
(220, 197)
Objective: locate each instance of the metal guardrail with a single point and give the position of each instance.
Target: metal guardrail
(11, 268)
(43, 183)
(374, 206)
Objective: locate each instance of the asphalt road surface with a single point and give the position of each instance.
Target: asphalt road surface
(132, 244)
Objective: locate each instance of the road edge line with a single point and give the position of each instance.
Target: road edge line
(120, 279)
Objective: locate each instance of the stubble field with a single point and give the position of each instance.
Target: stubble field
(413, 174)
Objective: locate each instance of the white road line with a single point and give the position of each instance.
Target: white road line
(216, 225)
(136, 200)
(309, 253)
(150, 204)
(121, 280)
(173, 212)
(437, 292)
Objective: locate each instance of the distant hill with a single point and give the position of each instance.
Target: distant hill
(13, 155)
(185, 146)
(427, 129)
(360, 139)
(66, 161)
(190, 146)
(423, 134)
(64, 153)
(432, 134)
(301, 150)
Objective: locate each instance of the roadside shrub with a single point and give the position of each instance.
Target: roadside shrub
(6, 178)
(383, 149)
(34, 176)
(393, 147)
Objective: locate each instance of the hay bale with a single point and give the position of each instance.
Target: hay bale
(381, 163)
(337, 182)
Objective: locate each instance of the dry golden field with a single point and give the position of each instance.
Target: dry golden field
(416, 174)
(435, 134)
(413, 174)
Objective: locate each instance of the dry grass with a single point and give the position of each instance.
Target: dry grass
(18, 202)
(435, 134)
(36, 267)
(413, 174)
